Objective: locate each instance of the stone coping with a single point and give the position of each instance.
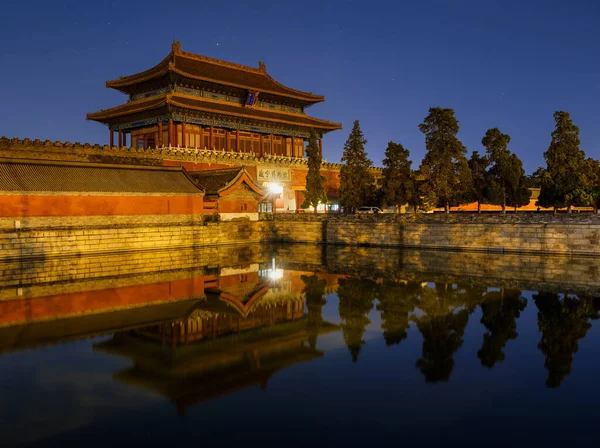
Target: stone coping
(442, 218)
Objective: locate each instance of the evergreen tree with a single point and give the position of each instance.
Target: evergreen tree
(396, 182)
(447, 178)
(535, 179)
(498, 186)
(356, 179)
(415, 200)
(518, 193)
(565, 181)
(594, 181)
(315, 189)
(478, 166)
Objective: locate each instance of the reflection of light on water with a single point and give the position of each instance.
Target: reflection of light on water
(272, 273)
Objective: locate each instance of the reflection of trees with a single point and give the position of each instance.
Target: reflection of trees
(442, 326)
(356, 300)
(314, 288)
(396, 302)
(500, 311)
(562, 322)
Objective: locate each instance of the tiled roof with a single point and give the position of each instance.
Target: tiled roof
(210, 106)
(214, 180)
(41, 176)
(130, 108)
(203, 68)
(258, 113)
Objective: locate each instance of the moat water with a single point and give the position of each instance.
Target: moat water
(299, 346)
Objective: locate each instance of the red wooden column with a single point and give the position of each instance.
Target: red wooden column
(291, 154)
(262, 148)
(321, 146)
(120, 138)
(211, 139)
(237, 140)
(170, 132)
(159, 140)
(201, 144)
(112, 138)
(183, 145)
(124, 139)
(226, 140)
(272, 146)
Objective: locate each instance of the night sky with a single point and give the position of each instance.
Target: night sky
(505, 64)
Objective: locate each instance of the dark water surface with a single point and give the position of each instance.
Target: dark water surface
(299, 346)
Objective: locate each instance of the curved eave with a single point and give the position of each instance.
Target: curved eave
(169, 64)
(262, 71)
(191, 102)
(128, 108)
(126, 81)
(243, 176)
(205, 106)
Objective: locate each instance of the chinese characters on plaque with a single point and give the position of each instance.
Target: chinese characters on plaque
(273, 174)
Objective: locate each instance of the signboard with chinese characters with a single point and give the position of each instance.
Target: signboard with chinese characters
(273, 175)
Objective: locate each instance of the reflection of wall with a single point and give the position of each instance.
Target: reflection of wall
(39, 290)
(538, 272)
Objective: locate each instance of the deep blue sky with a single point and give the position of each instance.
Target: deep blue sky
(506, 64)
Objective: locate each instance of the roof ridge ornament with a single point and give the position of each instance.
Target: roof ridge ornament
(176, 46)
(262, 67)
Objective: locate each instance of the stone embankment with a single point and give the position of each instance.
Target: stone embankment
(49, 237)
(526, 232)
(577, 234)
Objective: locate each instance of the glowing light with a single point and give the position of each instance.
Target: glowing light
(274, 273)
(277, 274)
(275, 188)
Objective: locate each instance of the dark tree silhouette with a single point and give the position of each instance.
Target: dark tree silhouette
(506, 180)
(357, 184)
(562, 322)
(356, 301)
(565, 182)
(500, 312)
(442, 326)
(314, 290)
(396, 302)
(445, 169)
(396, 183)
(478, 166)
(315, 189)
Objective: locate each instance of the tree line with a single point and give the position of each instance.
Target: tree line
(444, 312)
(447, 178)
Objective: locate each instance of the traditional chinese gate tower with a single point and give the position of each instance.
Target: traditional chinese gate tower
(193, 101)
(227, 114)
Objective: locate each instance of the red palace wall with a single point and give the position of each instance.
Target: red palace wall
(332, 182)
(64, 305)
(63, 205)
(235, 206)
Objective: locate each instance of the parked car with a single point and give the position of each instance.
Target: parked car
(369, 210)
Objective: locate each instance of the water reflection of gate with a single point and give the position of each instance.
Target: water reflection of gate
(223, 344)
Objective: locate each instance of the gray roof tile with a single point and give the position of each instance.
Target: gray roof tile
(47, 177)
